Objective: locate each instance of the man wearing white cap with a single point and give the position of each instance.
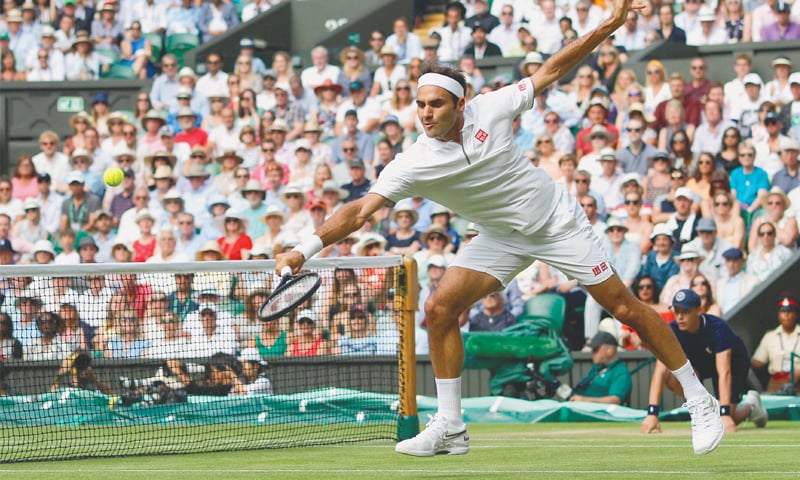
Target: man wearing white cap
(55, 57)
(744, 108)
(455, 163)
(708, 33)
(768, 150)
(787, 177)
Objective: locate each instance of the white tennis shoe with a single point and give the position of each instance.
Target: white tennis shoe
(759, 415)
(437, 438)
(707, 428)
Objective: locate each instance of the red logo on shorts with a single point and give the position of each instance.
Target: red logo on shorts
(522, 86)
(481, 136)
(599, 269)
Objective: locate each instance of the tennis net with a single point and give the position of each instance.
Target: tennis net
(133, 359)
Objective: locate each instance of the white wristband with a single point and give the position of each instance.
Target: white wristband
(309, 247)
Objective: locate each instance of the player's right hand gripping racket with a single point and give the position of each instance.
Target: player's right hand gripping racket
(291, 292)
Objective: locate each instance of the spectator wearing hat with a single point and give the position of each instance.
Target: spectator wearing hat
(367, 111)
(435, 241)
(50, 203)
(288, 111)
(152, 121)
(710, 247)
(405, 42)
(683, 221)
(778, 90)
(169, 203)
(750, 182)
(738, 284)
(787, 177)
(480, 47)
(107, 30)
(320, 70)
(121, 198)
(745, 108)
(77, 211)
(608, 381)
(387, 75)
(609, 182)
(87, 250)
(777, 26)
(309, 341)
(405, 240)
(81, 161)
(353, 134)
(359, 184)
(234, 243)
(255, 210)
(767, 254)
(776, 347)
(597, 114)
(30, 228)
(689, 263)
(708, 32)
(659, 264)
(103, 235)
(768, 151)
(144, 245)
(284, 150)
(225, 179)
(84, 63)
(128, 229)
(21, 41)
(7, 251)
(637, 156)
(190, 133)
(716, 353)
(320, 152)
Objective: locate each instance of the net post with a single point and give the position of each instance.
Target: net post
(406, 300)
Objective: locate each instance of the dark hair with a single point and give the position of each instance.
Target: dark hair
(5, 318)
(462, 10)
(447, 71)
(656, 288)
(738, 137)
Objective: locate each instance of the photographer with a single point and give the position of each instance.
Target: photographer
(76, 372)
(253, 378)
(608, 381)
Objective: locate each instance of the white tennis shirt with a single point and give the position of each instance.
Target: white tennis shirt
(487, 180)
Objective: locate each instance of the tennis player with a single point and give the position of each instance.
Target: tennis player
(467, 160)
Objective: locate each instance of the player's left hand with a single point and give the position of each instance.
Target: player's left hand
(730, 425)
(622, 7)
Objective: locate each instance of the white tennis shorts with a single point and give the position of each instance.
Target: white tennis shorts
(567, 242)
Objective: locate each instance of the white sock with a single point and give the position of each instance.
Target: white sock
(692, 387)
(448, 393)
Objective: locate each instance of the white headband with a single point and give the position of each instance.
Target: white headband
(442, 81)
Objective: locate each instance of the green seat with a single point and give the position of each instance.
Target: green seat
(547, 306)
(118, 70)
(240, 7)
(130, 117)
(179, 43)
(109, 55)
(156, 43)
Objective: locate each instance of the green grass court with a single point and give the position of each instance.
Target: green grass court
(498, 451)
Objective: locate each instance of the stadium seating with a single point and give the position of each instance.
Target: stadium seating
(180, 43)
(120, 71)
(547, 306)
(156, 43)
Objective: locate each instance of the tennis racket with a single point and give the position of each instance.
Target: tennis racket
(290, 292)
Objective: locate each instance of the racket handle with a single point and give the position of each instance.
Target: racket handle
(286, 271)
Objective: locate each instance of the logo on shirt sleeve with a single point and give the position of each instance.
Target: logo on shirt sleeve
(599, 269)
(522, 86)
(481, 135)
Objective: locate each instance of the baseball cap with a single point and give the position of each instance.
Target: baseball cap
(788, 302)
(356, 163)
(781, 61)
(87, 242)
(686, 299)
(317, 204)
(783, 7)
(166, 131)
(770, 117)
(390, 119)
(684, 192)
(661, 154)
(5, 244)
(437, 261)
(44, 177)
(706, 224)
(752, 79)
(351, 112)
(602, 338)
(794, 78)
(356, 85)
(661, 229)
(247, 43)
(75, 177)
(608, 153)
(306, 314)
(733, 254)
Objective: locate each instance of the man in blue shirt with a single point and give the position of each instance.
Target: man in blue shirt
(715, 352)
(751, 183)
(787, 178)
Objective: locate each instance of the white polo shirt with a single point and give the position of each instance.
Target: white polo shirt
(487, 181)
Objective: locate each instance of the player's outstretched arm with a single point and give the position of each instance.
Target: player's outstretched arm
(346, 220)
(568, 57)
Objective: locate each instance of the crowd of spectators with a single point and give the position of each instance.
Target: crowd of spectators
(690, 182)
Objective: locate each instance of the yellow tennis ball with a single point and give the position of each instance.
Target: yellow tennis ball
(113, 176)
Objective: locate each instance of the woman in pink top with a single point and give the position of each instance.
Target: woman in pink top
(24, 183)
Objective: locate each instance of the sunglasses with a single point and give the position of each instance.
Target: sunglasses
(265, 150)
(353, 149)
(588, 205)
(722, 204)
(677, 177)
(581, 180)
(747, 155)
(551, 120)
(352, 57)
(636, 130)
(633, 202)
(408, 89)
(653, 72)
(678, 140)
(767, 233)
(699, 284)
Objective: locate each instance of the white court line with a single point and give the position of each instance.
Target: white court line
(424, 471)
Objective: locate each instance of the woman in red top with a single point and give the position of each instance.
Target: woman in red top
(235, 242)
(145, 246)
(307, 342)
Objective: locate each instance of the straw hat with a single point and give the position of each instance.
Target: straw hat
(82, 37)
(331, 186)
(312, 126)
(352, 49)
(293, 189)
(172, 194)
(368, 239)
(776, 190)
(143, 214)
(212, 247)
(148, 160)
(238, 216)
(253, 186)
(230, 154)
(435, 229)
(162, 171)
(273, 211)
(407, 209)
(80, 115)
(196, 171)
